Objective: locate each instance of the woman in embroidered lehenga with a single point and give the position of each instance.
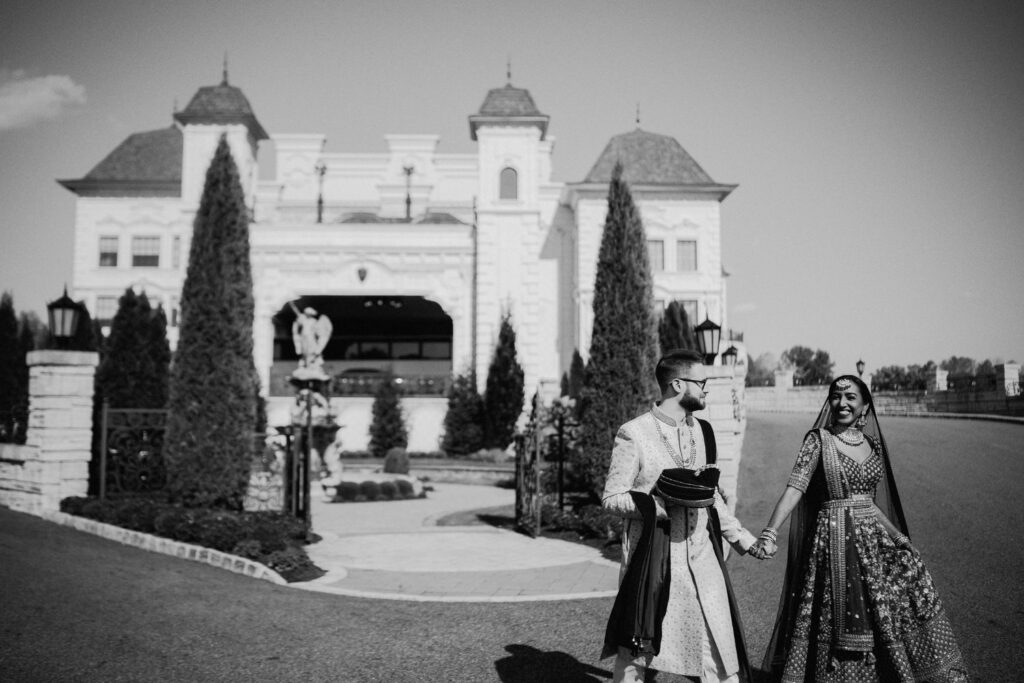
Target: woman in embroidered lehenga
(858, 603)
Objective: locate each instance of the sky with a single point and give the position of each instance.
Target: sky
(878, 146)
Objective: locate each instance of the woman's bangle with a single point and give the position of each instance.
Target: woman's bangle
(770, 534)
(901, 540)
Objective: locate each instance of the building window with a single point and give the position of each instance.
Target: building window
(509, 184)
(176, 252)
(656, 254)
(146, 252)
(108, 252)
(686, 256)
(106, 308)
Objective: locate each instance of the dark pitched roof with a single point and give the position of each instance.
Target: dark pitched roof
(509, 106)
(221, 104)
(147, 163)
(509, 101)
(648, 159)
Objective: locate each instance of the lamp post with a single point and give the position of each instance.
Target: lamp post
(63, 314)
(730, 355)
(860, 368)
(709, 337)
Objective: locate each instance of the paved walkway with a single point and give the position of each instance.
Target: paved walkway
(395, 550)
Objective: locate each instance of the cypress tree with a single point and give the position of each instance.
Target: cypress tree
(504, 392)
(674, 329)
(619, 379)
(212, 389)
(576, 374)
(387, 429)
(11, 362)
(134, 371)
(463, 423)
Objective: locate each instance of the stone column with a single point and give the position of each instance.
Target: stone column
(59, 426)
(725, 411)
(1008, 379)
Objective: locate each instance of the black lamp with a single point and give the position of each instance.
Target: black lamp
(860, 368)
(63, 314)
(730, 355)
(709, 336)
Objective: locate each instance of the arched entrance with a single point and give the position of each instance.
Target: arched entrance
(408, 336)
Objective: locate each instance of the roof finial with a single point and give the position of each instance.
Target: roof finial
(638, 116)
(224, 80)
(174, 107)
(508, 70)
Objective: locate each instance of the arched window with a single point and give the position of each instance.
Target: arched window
(509, 184)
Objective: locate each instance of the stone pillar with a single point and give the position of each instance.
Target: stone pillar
(1008, 379)
(939, 382)
(726, 413)
(59, 426)
(783, 380)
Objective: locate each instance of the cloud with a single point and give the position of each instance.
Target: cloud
(26, 100)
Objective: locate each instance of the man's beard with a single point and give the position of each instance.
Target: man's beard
(691, 403)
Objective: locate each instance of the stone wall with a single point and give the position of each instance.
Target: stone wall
(726, 412)
(54, 462)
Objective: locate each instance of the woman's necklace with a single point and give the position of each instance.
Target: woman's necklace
(678, 458)
(856, 439)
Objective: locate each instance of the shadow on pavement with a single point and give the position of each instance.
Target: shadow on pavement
(527, 664)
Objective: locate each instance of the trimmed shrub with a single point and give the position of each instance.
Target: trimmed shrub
(388, 490)
(405, 488)
(463, 422)
(387, 428)
(396, 461)
(348, 490)
(249, 549)
(73, 505)
(504, 393)
(370, 489)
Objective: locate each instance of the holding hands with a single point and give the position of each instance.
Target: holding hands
(766, 545)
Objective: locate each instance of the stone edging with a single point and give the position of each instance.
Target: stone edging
(166, 546)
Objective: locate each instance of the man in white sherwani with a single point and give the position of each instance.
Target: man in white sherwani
(698, 639)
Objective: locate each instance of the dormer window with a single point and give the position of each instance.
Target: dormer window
(509, 188)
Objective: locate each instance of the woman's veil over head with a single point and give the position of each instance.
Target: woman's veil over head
(805, 516)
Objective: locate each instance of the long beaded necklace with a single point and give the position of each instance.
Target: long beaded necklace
(856, 439)
(676, 457)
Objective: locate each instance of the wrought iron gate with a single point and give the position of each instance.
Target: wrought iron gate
(131, 451)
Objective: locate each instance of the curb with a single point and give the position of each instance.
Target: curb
(940, 416)
(373, 595)
(166, 546)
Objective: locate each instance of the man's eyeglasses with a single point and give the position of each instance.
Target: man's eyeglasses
(699, 382)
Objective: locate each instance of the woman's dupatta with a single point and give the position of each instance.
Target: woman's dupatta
(804, 521)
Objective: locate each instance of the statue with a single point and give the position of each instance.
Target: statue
(310, 333)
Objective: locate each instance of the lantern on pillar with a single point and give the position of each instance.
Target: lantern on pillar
(860, 368)
(709, 337)
(63, 314)
(729, 356)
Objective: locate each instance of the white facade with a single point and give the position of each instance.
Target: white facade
(333, 224)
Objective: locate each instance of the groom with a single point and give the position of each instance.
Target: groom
(700, 636)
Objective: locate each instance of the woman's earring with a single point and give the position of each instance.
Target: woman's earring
(862, 420)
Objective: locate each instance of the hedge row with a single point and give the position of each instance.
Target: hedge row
(271, 538)
(399, 489)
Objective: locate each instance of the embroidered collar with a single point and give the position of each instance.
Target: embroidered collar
(660, 414)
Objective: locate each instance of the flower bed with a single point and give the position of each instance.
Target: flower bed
(355, 487)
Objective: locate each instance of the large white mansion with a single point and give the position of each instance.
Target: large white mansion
(414, 255)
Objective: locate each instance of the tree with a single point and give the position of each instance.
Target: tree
(959, 366)
(761, 371)
(463, 423)
(12, 360)
(212, 390)
(674, 329)
(809, 367)
(136, 362)
(619, 378)
(504, 392)
(387, 428)
(577, 371)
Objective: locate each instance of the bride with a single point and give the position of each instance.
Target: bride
(858, 603)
